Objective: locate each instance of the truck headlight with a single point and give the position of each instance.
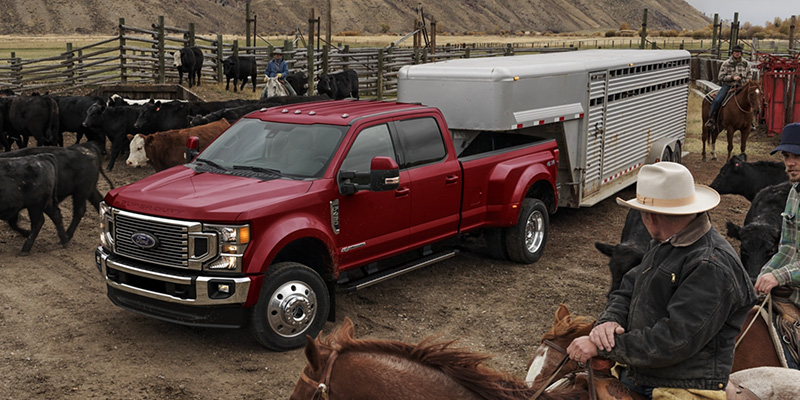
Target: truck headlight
(233, 241)
(106, 226)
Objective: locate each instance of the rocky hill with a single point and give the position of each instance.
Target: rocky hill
(38, 17)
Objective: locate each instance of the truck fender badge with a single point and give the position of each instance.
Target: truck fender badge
(144, 240)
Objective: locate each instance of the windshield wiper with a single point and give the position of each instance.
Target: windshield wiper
(258, 169)
(211, 163)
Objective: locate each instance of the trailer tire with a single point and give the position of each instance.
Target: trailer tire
(496, 243)
(293, 303)
(677, 154)
(666, 155)
(525, 241)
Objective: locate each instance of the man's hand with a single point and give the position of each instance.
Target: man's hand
(581, 349)
(765, 283)
(603, 335)
(280, 75)
(737, 78)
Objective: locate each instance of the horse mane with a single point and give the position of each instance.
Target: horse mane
(463, 366)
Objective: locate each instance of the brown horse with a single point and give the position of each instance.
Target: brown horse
(754, 350)
(342, 367)
(736, 115)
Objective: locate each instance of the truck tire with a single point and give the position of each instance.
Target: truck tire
(525, 241)
(496, 243)
(293, 303)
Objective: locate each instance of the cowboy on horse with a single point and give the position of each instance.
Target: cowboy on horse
(734, 73)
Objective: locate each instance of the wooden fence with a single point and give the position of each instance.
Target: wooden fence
(142, 56)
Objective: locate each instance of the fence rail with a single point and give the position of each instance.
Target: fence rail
(141, 55)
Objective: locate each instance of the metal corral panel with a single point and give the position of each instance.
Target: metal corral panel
(503, 93)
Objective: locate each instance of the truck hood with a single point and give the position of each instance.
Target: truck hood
(182, 193)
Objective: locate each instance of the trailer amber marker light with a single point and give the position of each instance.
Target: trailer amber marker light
(516, 78)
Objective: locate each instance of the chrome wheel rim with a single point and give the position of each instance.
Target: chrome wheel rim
(292, 309)
(534, 232)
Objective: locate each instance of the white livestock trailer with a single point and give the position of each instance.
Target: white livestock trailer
(610, 111)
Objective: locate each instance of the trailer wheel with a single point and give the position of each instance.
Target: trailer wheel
(496, 243)
(677, 155)
(666, 155)
(525, 241)
(293, 303)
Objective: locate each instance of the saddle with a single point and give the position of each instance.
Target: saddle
(787, 321)
(712, 94)
(735, 391)
(608, 387)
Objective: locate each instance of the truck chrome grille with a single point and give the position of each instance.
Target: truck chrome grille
(171, 245)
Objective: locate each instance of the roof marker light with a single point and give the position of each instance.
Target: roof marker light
(345, 115)
(284, 111)
(298, 112)
(312, 113)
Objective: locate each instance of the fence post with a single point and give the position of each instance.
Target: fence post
(16, 70)
(644, 30)
(345, 60)
(325, 58)
(191, 33)
(509, 51)
(160, 29)
(466, 52)
(220, 56)
(714, 38)
(123, 72)
(379, 83)
(69, 64)
(791, 33)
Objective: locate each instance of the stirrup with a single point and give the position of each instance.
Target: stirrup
(710, 123)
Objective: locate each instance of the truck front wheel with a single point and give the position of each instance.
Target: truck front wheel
(293, 303)
(525, 241)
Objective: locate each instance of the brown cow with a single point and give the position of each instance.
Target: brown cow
(166, 149)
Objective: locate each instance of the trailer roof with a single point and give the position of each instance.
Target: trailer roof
(534, 65)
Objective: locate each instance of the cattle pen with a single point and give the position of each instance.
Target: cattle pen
(139, 55)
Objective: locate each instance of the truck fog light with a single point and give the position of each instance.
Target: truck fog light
(220, 289)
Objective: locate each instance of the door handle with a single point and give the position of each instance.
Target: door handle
(451, 179)
(402, 192)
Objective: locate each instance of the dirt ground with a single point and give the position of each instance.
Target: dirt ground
(63, 339)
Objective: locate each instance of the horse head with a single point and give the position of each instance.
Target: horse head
(754, 94)
(314, 382)
(548, 358)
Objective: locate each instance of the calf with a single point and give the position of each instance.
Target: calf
(35, 116)
(339, 85)
(234, 113)
(116, 123)
(30, 183)
(299, 82)
(157, 116)
(78, 171)
(71, 114)
(240, 67)
(166, 149)
(760, 235)
(738, 176)
(629, 252)
(188, 60)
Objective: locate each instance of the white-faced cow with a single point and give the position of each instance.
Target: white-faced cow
(760, 234)
(240, 68)
(78, 171)
(339, 85)
(30, 183)
(166, 149)
(629, 251)
(188, 60)
(737, 176)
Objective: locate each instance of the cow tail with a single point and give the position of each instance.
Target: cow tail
(53, 131)
(54, 161)
(110, 184)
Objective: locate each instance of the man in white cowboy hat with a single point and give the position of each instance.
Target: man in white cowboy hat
(783, 269)
(675, 317)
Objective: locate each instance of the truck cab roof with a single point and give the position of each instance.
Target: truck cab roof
(331, 112)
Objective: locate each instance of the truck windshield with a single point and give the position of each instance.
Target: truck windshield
(294, 151)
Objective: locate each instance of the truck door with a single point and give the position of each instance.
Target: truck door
(435, 178)
(595, 135)
(372, 224)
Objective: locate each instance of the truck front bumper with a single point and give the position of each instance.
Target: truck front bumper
(177, 296)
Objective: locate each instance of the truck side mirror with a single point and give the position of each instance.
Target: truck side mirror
(384, 175)
(192, 148)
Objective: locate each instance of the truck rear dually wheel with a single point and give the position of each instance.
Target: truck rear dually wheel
(525, 241)
(293, 303)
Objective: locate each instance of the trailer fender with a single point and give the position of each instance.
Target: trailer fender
(665, 149)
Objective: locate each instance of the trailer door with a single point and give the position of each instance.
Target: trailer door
(598, 86)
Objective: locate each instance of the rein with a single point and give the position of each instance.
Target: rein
(756, 316)
(736, 100)
(563, 362)
(322, 387)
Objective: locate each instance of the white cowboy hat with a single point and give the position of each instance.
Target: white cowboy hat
(669, 188)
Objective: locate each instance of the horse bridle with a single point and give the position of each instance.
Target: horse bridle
(322, 387)
(561, 364)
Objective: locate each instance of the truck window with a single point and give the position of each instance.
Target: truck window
(371, 142)
(421, 140)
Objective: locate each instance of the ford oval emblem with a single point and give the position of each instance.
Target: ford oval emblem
(144, 240)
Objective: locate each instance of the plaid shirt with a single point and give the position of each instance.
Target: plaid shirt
(785, 264)
(731, 68)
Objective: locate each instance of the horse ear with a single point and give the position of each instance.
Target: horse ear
(562, 312)
(312, 353)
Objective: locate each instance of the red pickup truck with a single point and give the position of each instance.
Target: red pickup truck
(293, 203)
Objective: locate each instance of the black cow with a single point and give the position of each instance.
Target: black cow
(35, 116)
(240, 67)
(5, 140)
(339, 85)
(116, 123)
(30, 183)
(738, 176)
(299, 82)
(629, 252)
(234, 113)
(760, 235)
(78, 169)
(190, 61)
(71, 114)
(157, 116)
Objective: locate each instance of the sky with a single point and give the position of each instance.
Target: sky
(757, 12)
